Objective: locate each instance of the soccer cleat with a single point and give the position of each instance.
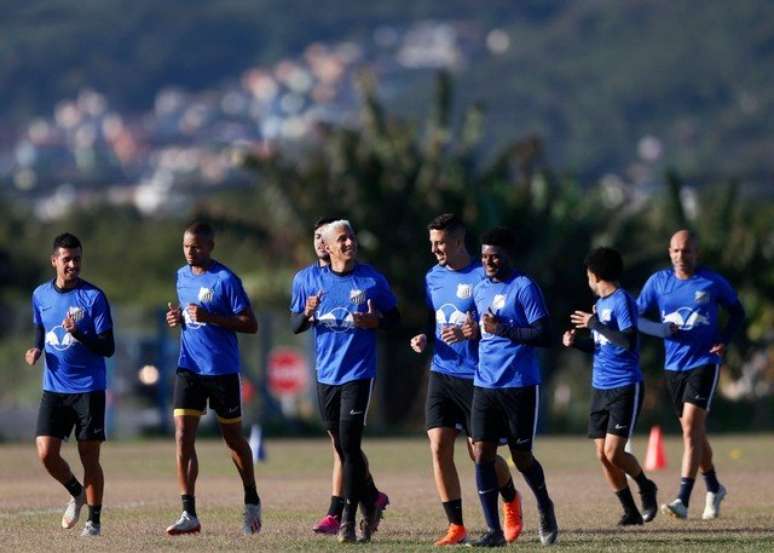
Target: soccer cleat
(630, 519)
(329, 524)
(649, 501)
(493, 538)
(252, 523)
(186, 524)
(346, 532)
(455, 535)
(365, 532)
(676, 509)
(73, 510)
(548, 530)
(373, 514)
(90, 529)
(712, 503)
(512, 522)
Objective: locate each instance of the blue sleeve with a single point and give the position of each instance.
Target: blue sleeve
(298, 293)
(36, 320)
(531, 299)
(647, 298)
(383, 297)
(235, 295)
(726, 294)
(100, 312)
(626, 313)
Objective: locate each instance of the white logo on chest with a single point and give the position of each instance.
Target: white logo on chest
(464, 291)
(357, 296)
(498, 302)
(205, 295)
(76, 313)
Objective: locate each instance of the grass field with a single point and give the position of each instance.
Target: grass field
(141, 499)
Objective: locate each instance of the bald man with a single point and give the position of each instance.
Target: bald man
(686, 298)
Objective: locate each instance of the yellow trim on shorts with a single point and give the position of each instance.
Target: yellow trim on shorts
(229, 421)
(188, 413)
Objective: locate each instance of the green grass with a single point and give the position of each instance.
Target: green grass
(141, 499)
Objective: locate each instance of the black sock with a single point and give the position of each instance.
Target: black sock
(453, 510)
(94, 512)
(686, 487)
(189, 504)
(627, 501)
(350, 512)
(369, 490)
(74, 487)
(711, 480)
(537, 483)
(251, 495)
(337, 506)
(486, 480)
(508, 491)
(642, 481)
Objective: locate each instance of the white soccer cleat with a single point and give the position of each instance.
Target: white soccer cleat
(90, 529)
(73, 510)
(252, 523)
(186, 524)
(676, 509)
(712, 503)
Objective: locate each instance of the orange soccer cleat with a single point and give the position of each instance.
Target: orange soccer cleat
(512, 519)
(455, 535)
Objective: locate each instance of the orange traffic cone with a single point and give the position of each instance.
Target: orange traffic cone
(655, 459)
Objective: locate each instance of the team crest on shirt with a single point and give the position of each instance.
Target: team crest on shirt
(605, 315)
(464, 291)
(76, 313)
(205, 295)
(701, 297)
(357, 296)
(498, 302)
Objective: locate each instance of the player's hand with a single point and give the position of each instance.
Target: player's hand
(419, 343)
(568, 338)
(581, 319)
(174, 315)
(673, 329)
(491, 322)
(470, 327)
(718, 349)
(312, 303)
(69, 323)
(197, 313)
(368, 320)
(451, 334)
(32, 355)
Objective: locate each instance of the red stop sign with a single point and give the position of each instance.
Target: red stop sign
(288, 371)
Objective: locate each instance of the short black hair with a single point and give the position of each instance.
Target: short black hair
(66, 240)
(605, 263)
(501, 237)
(202, 230)
(322, 221)
(448, 222)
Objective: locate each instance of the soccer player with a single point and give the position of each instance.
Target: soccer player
(213, 307)
(514, 321)
(74, 329)
(352, 300)
(329, 524)
(449, 291)
(616, 381)
(687, 297)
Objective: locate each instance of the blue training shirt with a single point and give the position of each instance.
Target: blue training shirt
(449, 294)
(344, 353)
(503, 363)
(209, 349)
(691, 304)
(615, 366)
(301, 282)
(71, 368)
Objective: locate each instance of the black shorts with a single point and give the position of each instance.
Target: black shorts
(508, 412)
(193, 390)
(696, 386)
(59, 413)
(344, 402)
(615, 411)
(448, 402)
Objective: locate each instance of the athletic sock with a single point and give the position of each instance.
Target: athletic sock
(711, 480)
(686, 487)
(349, 513)
(94, 513)
(453, 510)
(486, 479)
(642, 481)
(508, 491)
(251, 495)
(74, 487)
(369, 490)
(336, 507)
(627, 501)
(537, 483)
(189, 504)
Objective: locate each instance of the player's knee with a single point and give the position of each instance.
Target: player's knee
(613, 455)
(522, 459)
(441, 448)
